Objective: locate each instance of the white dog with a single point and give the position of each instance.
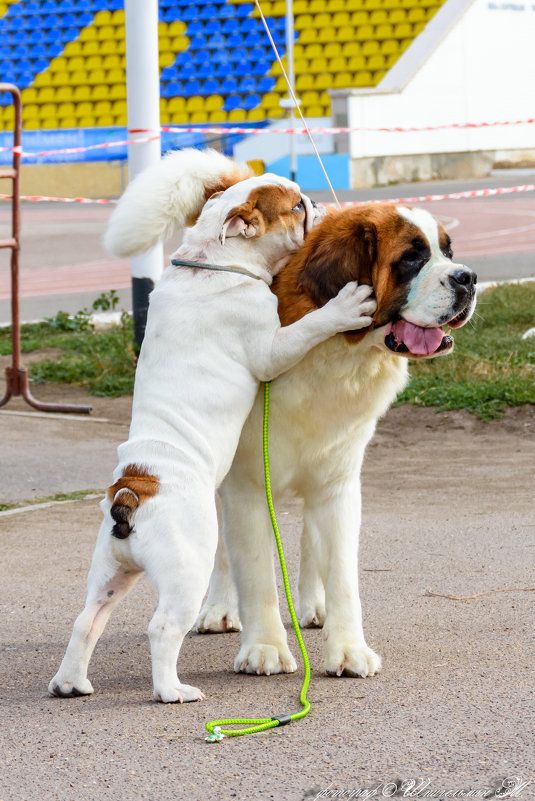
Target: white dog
(212, 335)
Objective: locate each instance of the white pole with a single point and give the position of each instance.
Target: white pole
(143, 97)
(291, 76)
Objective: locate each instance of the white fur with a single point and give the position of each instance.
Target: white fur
(210, 338)
(323, 413)
(161, 198)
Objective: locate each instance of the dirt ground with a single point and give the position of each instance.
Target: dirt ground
(448, 505)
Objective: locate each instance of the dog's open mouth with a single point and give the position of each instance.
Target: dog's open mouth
(414, 341)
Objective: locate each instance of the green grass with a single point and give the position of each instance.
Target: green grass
(61, 497)
(491, 367)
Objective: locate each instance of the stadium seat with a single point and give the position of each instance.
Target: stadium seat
(232, 102)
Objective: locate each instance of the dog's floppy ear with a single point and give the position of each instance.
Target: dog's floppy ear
(245, 220)
(336, 257)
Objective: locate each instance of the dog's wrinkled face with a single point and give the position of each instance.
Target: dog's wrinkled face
(405, 255)
(265, 207)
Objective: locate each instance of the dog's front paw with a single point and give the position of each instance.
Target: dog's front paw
(217, 618)
(178, 694)
(350, 660)
(69, 689)
(263, 659)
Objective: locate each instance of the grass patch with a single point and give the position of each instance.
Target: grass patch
(59, 497)
(491, 367)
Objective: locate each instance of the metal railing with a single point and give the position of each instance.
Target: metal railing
(17, 383)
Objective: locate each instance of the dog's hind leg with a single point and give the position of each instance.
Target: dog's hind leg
(179, 565)
(108, 582)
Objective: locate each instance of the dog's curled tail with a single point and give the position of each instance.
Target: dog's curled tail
(136, 486)
(122, 510)
(168, 196)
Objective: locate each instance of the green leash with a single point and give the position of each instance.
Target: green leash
(252, 725)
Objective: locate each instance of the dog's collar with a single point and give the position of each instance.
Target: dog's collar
(218, 267)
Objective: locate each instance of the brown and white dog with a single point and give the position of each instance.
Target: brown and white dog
(323, 414)
(212, 335)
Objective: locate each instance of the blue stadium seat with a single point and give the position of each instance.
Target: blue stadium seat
(100, 5)
(24, 79)
(5, 53)
(187, 71)
(205, 71)
(192, 88)
(217, 41)
(116, 5)
(232, 102)
(54, 50)
(17, 37)
(48, 7)
(183, 58)
(190, 13)
(243, 69)
(68, 20)
(198, 42)
(40, 64)
(24, 65)
(201, 57)
(238, 54)
(251, 101)
(172, 89)
(208, 11)
(266, 84)
(220, 57)
(229, 85)
(254, 39)
(259, 54)
(21, 51)
(86, 18)
(169, 73)
(250, 24)
(36, 36)
(223, 70)
(230, 26)
(51, 21)
(243, 10)
(195, 28)
(68, 34)
(66, 6)
(235, 40)
(212, 26)
(247, 85)
(226, 11)
(32, 7)
(210, 87)
(172, 15)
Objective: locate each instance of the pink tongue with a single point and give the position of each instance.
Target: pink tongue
(420, 341)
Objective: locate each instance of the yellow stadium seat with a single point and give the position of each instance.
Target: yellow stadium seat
(313, 51)
(378, 16)
(96, 76)
(116, 75)
(81, 93)
(32, 124)
(338, 64)
(47, 110)
(356, 63)
(303, 21)
(101, 92)
(106, 32)
(342, 80)
(384, 31)
(256, 115)
(301, 65)
(46, 95)
(341, 18)
(391, 60)
(58, 64)
(112, 62)
(237, 115)
(163, 104)
(350, 49)
(418, 28)
(389, 47)
(65, 110)
(397, 15)
(278, 9)
(93, 62)
(29, 95)
(323, 20)
(176, 104)
(364, 32)
(276, 113)
(117, 17)
(376, 62)
(313, 111)
(308, 35)
(88, 34)
(176, 28)
(354, 5)
(370, 48)
(179, 117)
(217, 116)
(9, 115)
(118, 91)
(405, 43)
(275, 69)
(60, 78)
(91, 48)
(87, 122)
(214, 103)
(121, 119)
(332, 50)
(363, 78)
(118, 107)
(78, 78)
(112, 46)
(102, 18)
(378, 77)
(64, 94)
(30, 110)
(403, 30)
(299, 50)
(318, 65)
(431, 13)
(50, 123)
(416, 15)
(198, 117)
(281, 85)
(323, 81)
(326, 35)
(304, 82)
(195, 103)
(164, 44)
(179, 44)
(75, 48)
(104, 121)
(166, 59)
(346, 34)
(83, 109)
(270, 100)
(102, 108)
(317, 6)
(75, 63)
(310, 98)
(336, 5)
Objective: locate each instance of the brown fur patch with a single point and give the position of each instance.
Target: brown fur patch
(268, 206)
(220, 184)
(139, 481)
(355, 244)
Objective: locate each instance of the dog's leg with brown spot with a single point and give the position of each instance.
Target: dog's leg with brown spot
(108, 582)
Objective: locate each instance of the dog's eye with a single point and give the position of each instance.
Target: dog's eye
(300, 206)
(448, 252)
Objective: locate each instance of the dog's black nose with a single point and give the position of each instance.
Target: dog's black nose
(463, 278)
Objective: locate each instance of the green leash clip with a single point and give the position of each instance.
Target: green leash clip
(253, 725)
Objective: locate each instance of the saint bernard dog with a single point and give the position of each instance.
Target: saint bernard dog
(213, 334)
(323, 413)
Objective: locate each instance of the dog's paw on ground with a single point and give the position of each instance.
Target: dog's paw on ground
(178, 694)
(70, 689)
(263, 659)
(217, 619)
(351, 660)
(312, 615)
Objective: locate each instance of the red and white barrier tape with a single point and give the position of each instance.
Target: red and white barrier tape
(503, 190)
(227, 131)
